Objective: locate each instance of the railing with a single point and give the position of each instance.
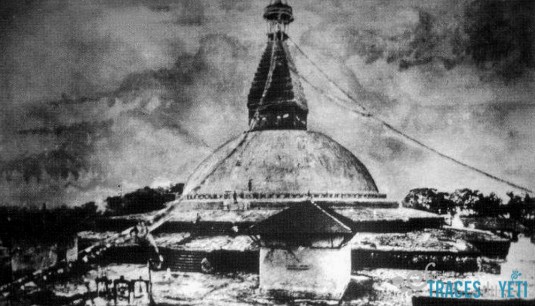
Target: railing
(258, 195)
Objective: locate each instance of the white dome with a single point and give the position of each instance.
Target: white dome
(282, 161)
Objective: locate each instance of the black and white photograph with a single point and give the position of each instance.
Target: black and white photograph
(267, 152)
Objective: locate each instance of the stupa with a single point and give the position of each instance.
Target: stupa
(276, 169)
(279, 163)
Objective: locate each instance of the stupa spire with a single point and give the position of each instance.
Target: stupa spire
(276, 99)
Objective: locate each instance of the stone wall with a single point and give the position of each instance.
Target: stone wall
(415, 260)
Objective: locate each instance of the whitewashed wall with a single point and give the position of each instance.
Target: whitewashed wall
(305, 272)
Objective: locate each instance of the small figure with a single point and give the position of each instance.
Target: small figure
(143, 230)
(134, 233)
(206, 266)
(103, 286)
(89, 300)
(122, 289)
(140, 288)
(167, 277)
(196, 225)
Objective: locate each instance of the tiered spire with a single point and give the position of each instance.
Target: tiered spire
(276, 99)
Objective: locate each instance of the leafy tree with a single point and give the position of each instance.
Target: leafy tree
(114, 204)
(178, 188)
(466, 199)
(429, 199)
(489, 206)
(516, 207)
(46, 224)
(140, 201)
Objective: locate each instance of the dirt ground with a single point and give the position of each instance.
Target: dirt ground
(369, 287)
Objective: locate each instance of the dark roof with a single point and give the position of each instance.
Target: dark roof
(304, 218)
(284, 87)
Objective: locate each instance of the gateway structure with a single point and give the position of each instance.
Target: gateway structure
(304, 252)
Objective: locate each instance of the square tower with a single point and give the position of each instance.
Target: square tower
(304, 252)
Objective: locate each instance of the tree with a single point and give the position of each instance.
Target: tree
(516, 207)
(140, 201)
(489, 206)
(114, 204)
(178, 188)
(429, 199)
(466, 199)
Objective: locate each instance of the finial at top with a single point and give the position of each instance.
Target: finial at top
(278, 12)
(276, 99)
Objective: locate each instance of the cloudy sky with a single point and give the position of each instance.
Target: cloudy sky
(97, 94)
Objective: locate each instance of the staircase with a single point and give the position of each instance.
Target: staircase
(186, 261)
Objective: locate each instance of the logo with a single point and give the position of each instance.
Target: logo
(508, 289)
(428, 281)
(514, 288)
(455, 289)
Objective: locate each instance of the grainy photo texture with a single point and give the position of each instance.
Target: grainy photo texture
(267, 152)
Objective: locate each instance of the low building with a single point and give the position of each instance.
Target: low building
(304, 252)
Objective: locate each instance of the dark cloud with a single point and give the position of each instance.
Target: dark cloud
(237, 5)
(498, 36)
(501, 35)
(191, 13)
(134, 93)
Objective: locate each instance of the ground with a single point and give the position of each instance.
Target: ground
(369, 287)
